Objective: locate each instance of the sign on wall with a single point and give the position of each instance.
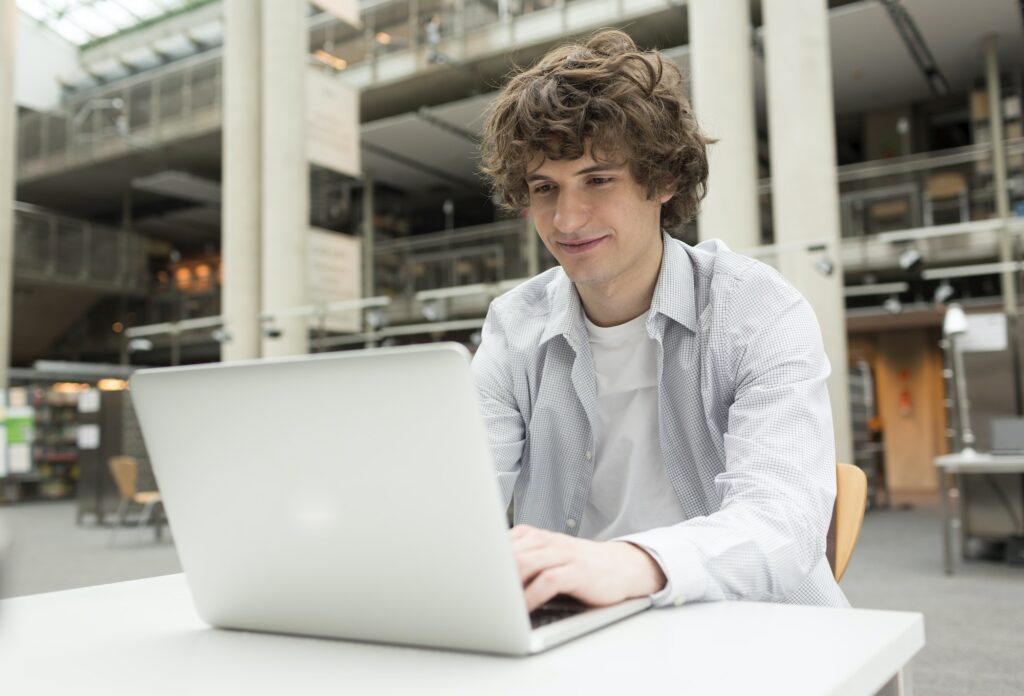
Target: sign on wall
(334, 273)
(985, 333)
(332, 123)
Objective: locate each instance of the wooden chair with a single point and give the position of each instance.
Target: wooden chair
(847, 517)
(946, 189)
(125, 471)
(888, 214)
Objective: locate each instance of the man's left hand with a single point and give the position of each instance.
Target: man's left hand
(597, 573)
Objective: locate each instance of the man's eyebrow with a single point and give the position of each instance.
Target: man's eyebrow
(586, 170)
(599, 168)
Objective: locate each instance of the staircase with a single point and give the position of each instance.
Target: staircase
(54, 253)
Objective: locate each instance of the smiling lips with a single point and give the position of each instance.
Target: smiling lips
(578, 247)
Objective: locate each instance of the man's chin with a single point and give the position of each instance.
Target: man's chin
(585, 276)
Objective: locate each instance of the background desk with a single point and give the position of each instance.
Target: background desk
(143, 637)
(958, 465)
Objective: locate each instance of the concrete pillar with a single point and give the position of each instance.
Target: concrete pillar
(1002, 196)
(805, 189)
(8, 165)
(241, 139)
(722, 87)
(369, 281)
(285, 190)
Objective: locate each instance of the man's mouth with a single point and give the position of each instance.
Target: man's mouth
(581, 245)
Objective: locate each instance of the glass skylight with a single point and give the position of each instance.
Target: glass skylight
(85, 21)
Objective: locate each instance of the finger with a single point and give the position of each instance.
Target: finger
(521, 530)
(534, 561)
(546, 585)
(529, 539)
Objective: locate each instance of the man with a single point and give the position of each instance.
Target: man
(657, 412)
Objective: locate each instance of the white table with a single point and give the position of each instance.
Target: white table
(144, 637)
(960, 464)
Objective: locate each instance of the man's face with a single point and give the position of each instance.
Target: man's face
(594, 218)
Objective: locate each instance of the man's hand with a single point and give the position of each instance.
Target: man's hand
(598, 573)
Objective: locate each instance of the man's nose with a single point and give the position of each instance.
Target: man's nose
(571, 212)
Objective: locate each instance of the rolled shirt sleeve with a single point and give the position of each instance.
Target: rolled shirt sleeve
(778, 486)
(506, 430)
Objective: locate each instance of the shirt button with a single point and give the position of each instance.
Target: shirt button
(589, 455)
(680, 601)
(570, 523)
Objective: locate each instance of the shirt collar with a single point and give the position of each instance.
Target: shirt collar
(566, 317)
(675, 293)
(673, 296)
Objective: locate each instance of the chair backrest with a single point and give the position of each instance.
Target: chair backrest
(889, 210)
(125, 471)
(847, 516)
(947, 184)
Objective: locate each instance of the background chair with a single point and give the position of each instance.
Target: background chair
(125, 471)
(946, 190)
(847, 517)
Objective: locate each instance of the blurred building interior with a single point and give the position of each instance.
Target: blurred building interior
(204, 179)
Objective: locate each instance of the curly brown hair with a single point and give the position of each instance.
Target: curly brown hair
(625, 104)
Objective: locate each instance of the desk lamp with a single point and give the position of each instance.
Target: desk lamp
(954, 326)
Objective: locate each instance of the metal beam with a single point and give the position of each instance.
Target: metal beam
(427, 115)
(420, 166)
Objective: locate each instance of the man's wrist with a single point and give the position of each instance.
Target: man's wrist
(649, 577)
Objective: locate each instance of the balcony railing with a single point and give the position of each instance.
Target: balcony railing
(51, 248)
(485, 254)
(137, 114)
(925, 190)
(183, 99)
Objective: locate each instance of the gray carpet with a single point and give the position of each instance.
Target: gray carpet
(50, 553)
(974, 621)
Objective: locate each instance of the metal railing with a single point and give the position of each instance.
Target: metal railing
(472, 255)
(943, 187)
(52, 248)
(926, 190)
(183, 99)
(139, 113)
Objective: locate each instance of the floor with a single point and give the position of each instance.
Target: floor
(974, 620)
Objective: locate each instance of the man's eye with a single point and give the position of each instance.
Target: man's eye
(545, 188)
(599, 180)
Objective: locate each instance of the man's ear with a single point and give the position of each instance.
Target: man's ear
(666, 197)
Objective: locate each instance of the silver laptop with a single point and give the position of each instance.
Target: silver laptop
(1007, 436)
(349, 495)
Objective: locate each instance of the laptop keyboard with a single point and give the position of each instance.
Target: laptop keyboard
(559, 608)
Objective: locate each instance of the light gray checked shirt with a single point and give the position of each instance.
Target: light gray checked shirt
(744, 421)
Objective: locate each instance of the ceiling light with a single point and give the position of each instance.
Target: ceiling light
(893, 305)
(943, 292)
(330, 59)
(824, 265)
(69, 387)
(139, 344)
(433, 310)
(221, 335)
(911, 259)
(955, 321)
(375, 319)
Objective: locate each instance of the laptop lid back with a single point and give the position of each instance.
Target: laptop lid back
(347, 495)
(1008, 435)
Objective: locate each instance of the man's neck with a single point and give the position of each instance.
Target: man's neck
(624, 298)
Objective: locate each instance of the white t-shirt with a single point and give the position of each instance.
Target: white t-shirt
(630, 491)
